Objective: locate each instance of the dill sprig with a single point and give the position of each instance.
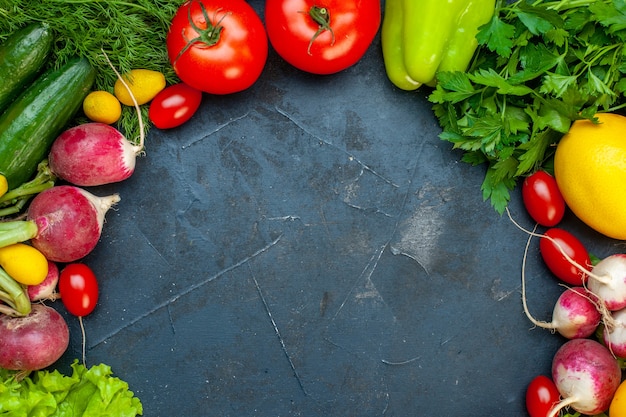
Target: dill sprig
(131, 32)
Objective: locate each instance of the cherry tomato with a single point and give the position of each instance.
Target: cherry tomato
(78, 288)
(322, 37)
(174, 105)
(541, 396)
(218, 46)
(542, 199)
(557, 263)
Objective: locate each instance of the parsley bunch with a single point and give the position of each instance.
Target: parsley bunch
(539, 66)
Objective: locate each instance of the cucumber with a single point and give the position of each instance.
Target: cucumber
(22, 56)
(34, 120)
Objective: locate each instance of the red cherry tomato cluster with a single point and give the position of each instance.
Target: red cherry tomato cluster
(545, 205)
(559, 251)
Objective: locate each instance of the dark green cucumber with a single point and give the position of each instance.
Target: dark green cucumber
(34, 120)
(22, 56)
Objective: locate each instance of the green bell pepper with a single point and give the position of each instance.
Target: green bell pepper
(420, 38)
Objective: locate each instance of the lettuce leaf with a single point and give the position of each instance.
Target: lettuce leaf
(92, 392)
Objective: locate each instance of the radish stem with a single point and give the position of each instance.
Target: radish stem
(142, 134)
(561, 405)
(17, 231)
(12, 293)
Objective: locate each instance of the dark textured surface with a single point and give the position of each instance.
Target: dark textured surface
(309, 247)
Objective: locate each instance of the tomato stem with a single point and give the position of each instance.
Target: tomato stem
(321, 16)
(208, 36)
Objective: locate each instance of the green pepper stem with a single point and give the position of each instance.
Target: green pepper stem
(18, 303)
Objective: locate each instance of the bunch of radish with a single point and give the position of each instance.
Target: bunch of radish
(61, 225)
(590, 313)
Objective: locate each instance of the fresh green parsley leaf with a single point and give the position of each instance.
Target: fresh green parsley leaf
(497, 36)
(540, 65)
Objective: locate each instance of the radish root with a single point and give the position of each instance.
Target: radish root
(561, 405)
(142, 135)
(533, 320)
(84, 342)
(569, 258)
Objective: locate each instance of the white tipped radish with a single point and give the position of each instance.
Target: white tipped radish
(69, 221)
(607, 281)
(92, 154)
(614, 336)
(46, 290)
(64, 222)
(575, 313)
(34, 341)
(586, 375)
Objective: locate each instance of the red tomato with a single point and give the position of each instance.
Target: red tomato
(322, 37)
(219, 47)
(541, 396)
(557, 263)
(542, 199)
(78, 288)
(174, 105)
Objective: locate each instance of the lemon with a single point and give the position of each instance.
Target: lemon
(102, 106)
(590, 170)
(144, 85)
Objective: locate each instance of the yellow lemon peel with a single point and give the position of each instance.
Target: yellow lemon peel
(590, 170)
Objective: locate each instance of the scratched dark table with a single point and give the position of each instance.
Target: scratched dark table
(310, 247)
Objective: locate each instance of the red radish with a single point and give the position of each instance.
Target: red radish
(586, 375)
(46, 290)
(64, 222)
(614, 336)
(575, 314)
(607, 281)
(69, 221)
(34, 341)
(92, 154)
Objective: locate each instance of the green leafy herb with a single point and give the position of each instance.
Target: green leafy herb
(87, 392)
(131, 32)
(540, 65)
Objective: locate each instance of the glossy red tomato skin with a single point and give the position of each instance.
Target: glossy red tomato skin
(541, 395)
(231, 64)
(542, 199)
(290, 30)
(174, 105)
(78, 288)
(557, 263)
